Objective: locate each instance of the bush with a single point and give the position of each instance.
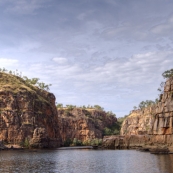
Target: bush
(112, 130)
(68, 142)
(25, 144)
(91, 142)
(76, 142)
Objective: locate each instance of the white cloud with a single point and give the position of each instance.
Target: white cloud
(4, 62)
(164, 28)
(60, 60)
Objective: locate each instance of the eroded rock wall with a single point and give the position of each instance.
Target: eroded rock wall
(83, 124)
(28, 115)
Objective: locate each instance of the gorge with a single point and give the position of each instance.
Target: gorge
(29, 118)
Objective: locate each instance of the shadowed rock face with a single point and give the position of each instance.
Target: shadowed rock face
(151, 126)
(83, 124)
(27, 114)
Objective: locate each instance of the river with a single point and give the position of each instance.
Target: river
(84, 161)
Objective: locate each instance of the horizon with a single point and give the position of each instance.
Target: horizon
(110, 53)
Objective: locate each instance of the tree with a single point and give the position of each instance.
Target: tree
(144, 104)
(59, 105)
(168, 73)
(98, 107)
(43, 86)
(34, 81)
(110, 113)
(141, 104)
(134, 107)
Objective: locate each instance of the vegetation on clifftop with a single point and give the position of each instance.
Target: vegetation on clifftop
(17, 78)
(168, 74)
(13, 82)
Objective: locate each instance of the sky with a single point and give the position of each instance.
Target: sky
(106, 52)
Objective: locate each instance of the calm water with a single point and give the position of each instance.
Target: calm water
(85, 161)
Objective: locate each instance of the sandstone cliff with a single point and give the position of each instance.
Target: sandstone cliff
(152, 126)
(83, 124)
(28, 115)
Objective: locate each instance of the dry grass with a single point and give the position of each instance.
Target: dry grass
(15, 84)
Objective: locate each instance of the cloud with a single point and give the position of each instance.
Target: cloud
(93, 52)
(60, 60)
(4, 62)
(23, 6)
(165, 28)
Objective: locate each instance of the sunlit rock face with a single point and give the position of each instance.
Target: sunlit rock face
(156, 120)
(151, 126)
(83, 124)
(28, 115)
(138, 122)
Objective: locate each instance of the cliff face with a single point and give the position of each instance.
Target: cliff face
(28, 115)
(155, 120)
(83, 124)
(151, 126)
(139, 122)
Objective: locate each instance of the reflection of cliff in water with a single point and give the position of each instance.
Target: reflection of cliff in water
(165, 163)
(85, 161)
(27, 161)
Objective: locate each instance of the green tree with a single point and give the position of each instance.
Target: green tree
(98, 107)
(134, 107)
(168, 73)
(59, 105)
(34, 81)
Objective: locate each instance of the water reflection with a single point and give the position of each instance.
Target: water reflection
(165, 163)
(85, 161)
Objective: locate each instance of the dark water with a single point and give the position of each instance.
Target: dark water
(85, 161)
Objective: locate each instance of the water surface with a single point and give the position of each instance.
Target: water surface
(84, 161)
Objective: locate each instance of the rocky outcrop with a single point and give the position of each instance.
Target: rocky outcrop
(28, 115)
(83, 124)
(152, 126)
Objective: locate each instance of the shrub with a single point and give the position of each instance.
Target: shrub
(67, 142)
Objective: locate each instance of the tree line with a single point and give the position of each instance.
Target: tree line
(60, 105)
(95, 107)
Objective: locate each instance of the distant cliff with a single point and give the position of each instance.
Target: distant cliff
(83, 125)
(151, 126)
(28, 115)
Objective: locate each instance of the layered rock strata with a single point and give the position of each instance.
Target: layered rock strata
(28, 115)
(152, 126)
(83, 124)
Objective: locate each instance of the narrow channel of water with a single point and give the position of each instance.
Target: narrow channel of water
(84, 161)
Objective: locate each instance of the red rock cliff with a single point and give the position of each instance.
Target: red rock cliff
(83, 124)
(28, 115)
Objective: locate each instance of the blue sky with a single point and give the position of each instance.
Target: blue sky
(106, 52)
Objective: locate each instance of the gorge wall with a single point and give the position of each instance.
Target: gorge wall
(28, 115)
(83, 124)
(151, 126)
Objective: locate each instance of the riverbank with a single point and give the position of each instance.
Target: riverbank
(75, 147)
